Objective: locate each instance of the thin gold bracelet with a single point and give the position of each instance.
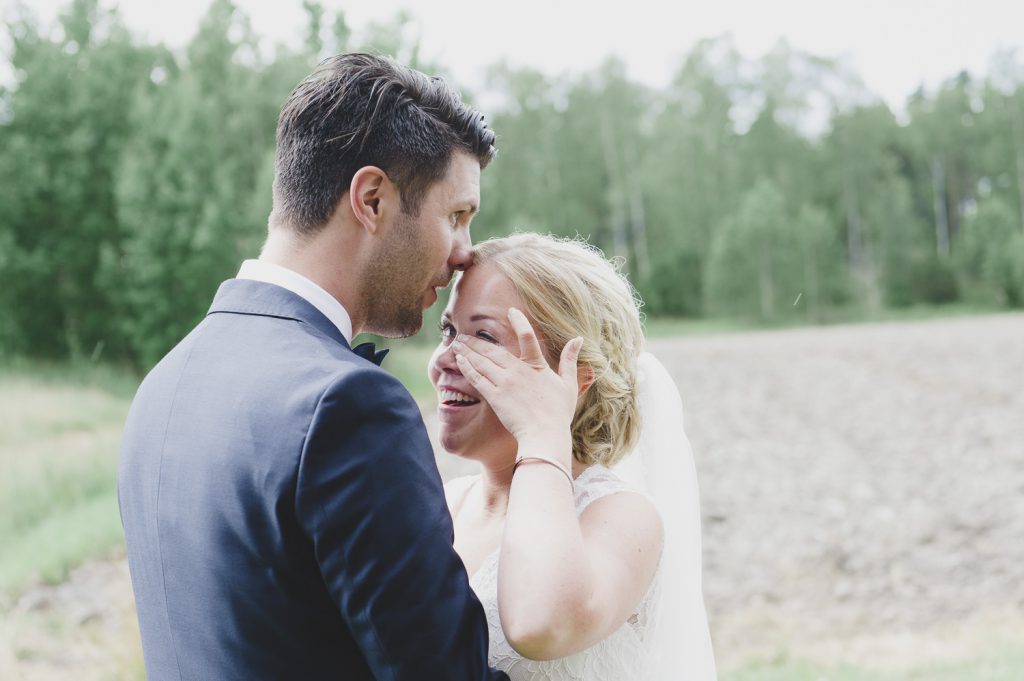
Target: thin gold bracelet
(560, 467)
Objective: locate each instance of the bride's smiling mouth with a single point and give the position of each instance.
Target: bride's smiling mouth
(451, 399)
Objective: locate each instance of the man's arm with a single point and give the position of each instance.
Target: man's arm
(370, 498)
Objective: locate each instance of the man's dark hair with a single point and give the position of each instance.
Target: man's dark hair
(357, 110)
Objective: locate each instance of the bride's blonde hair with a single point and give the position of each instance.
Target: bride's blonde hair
(570, 289)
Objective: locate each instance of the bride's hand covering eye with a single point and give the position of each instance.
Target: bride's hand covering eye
(448, 333)
(530, 399)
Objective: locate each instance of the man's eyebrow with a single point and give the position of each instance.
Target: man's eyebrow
(471, 203)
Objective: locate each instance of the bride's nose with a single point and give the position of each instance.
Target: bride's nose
(446, 360)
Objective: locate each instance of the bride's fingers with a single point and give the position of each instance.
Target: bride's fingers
(481, 362)
(497, 354)
(479, 382)
(529, 347)
(569, 361)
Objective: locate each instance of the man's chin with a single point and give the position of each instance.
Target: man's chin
(399, 328)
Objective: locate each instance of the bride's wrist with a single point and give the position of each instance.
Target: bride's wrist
(555, 447)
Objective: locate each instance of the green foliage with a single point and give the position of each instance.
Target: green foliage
(755, 265)
(57, 172)
(990, 252)
(825, 280)
(911, 269)
(195, 164)
(123, 207)
(674, 286)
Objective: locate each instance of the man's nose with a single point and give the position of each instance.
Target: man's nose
(462, 251)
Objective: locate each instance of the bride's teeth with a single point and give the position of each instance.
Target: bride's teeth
(451, 396)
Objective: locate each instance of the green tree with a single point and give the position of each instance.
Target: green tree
(755, 269)
(63, 132)
(524, 187)
(944, 141)
(570, 160)
(823, 274)
(989, 253)
(1000, 140)
(198, 162)
(690, 175)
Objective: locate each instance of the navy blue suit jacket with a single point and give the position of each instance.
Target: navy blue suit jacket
(283, 514)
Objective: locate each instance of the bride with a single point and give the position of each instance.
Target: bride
(581, 534)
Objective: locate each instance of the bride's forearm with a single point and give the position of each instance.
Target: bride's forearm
(543, 574)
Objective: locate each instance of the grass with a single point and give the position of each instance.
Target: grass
(59, 433)
(407, 362)
(1004, 663)
(107, 378)
(67, 537)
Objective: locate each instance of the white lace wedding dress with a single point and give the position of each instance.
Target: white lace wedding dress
(620, 657)
(667, 638)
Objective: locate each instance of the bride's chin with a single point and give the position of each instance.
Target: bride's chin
(453, 447)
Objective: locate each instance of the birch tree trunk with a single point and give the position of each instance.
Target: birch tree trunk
(616, 198)
(939, 201)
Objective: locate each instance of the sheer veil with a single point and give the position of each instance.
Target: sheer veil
(662, 466)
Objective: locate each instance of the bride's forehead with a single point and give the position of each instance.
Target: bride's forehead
(483, 290)
(483, 285)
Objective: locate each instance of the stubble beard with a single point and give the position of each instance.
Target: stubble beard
(393, 294)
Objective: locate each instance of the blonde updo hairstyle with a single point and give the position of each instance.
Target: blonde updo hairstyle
(570, 289)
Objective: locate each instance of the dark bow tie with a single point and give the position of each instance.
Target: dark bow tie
(369, 352)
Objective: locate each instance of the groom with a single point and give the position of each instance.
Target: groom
(282, 511)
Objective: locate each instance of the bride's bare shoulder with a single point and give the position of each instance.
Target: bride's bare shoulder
(624, 534)
(623, 537)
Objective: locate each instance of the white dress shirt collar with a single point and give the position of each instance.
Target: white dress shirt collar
(259, 270)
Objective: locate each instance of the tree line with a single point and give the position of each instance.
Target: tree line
(135, 178)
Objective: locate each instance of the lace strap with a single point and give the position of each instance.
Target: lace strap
(594, 483)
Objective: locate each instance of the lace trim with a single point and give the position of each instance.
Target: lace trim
(594, 483)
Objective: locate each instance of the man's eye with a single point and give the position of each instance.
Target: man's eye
(457, 214)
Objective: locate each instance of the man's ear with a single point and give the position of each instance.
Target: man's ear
(370, 195)
(584, 379)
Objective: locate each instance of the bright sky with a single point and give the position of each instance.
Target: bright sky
(893, 44)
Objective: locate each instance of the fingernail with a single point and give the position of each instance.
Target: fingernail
(513, 310)
(457, 345)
